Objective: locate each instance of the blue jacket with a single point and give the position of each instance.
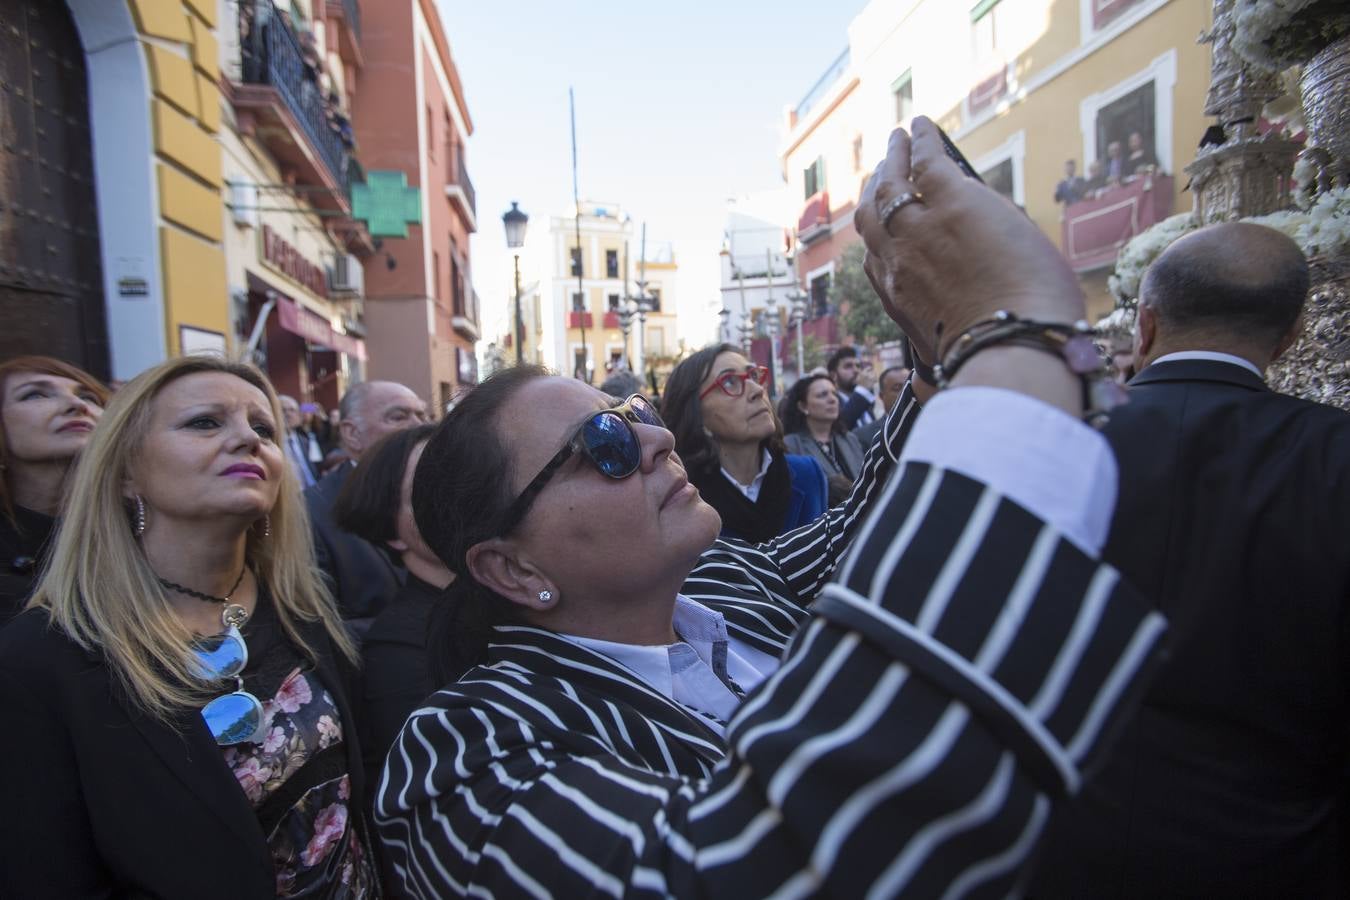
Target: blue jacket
(809, 491)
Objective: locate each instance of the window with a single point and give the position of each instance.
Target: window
(984, 33)
(612, 302)
(857, 153)
(434, 289)
(656, 341)
(576, 260)
(814, 177)
(903, 91)
(578, 302)
(1000, 178)
(611, 263)
(655, 295)
(579, 363)
(1131, 114)
(820, 296)
(431, 135)
(456, 285)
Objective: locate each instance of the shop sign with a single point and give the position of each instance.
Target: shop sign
(287, 260)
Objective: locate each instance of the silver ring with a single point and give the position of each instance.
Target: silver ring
(899, 203)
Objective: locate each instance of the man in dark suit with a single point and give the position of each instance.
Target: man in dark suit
(1234, 515)
(361, 577)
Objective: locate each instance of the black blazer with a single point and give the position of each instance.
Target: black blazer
(1234, 516)
(23, 551)
(101, 801)
(361, 577)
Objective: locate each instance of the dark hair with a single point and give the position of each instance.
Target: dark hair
(881, 382)
(461, 494)
(1201, 291)
(682, 409)
(367, 505)
(622, 384)
(794, 420)
(845, 352)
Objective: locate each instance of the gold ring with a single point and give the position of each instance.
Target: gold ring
(899, 203)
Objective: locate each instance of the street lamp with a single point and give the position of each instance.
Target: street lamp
(515, 222)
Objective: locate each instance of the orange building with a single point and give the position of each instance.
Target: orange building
(411, 117)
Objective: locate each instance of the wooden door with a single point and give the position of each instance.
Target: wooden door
(51, 282)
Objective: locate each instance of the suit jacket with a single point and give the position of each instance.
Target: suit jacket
(846, 447)
(361, 577)
(853, 407)
(1234, 518)
(810, 491)
(102, 801)
(882, 755)
(23, 551)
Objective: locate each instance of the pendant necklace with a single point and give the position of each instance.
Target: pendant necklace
(230, 613)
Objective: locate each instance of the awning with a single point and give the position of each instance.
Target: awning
(315, 329)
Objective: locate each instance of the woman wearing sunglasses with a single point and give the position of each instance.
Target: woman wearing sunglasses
(48, 410)
(177, 697)
(717, 406)
(813, 428)
(656, 713)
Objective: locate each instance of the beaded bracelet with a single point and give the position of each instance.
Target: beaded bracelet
(1071, 343)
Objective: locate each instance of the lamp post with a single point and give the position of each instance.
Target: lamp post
(723, 329)
(515, 222)
(797, 305)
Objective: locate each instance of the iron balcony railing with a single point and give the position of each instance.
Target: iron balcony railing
(461, 175)
(353, 12)
(271, 55)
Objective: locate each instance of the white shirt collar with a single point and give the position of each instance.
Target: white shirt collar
(751, 490)
(692, 671)
(1211, 356)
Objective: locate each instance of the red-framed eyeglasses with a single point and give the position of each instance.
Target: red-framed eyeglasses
(733, 383)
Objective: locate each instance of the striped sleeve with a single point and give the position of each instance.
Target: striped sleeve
(965, 669)
(793, 567)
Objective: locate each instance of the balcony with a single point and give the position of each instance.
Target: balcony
(460, 191)
(465, 317)
(815, 219)
(611, 320)
(1094, 230)
(279, 103)
(988, 92)
(580, 320)
(347, 13)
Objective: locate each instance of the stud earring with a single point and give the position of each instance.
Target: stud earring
(545, 596)
(139, 527)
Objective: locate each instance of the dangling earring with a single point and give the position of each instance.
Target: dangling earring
(139, 528)
(267, 526)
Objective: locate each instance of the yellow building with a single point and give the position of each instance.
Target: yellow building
(110, 182)
(1021, 86)
(585, 289)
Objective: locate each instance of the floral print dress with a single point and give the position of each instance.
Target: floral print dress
(296, 778)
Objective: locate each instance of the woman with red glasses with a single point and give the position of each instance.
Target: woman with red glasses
(726, 434)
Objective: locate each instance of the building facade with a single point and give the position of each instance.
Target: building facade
(586, 287)
(111, 212)
(1021, 86)
(412, 118)
(295, 255)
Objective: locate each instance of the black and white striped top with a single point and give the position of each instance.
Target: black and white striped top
(957, 676)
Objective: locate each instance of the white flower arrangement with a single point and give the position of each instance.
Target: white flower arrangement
(1258, 23)
(1327, 231)
(1305, 180)
(1136, 256)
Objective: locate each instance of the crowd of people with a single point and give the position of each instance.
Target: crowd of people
(916, 642)
(1116, 169)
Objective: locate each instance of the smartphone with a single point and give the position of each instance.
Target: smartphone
(957, 156)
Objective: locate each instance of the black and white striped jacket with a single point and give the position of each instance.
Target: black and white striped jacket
(958, 674)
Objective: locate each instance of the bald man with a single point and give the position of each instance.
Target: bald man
(360, 575)
(1234, 515)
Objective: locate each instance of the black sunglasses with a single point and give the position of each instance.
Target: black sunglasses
(606, 438)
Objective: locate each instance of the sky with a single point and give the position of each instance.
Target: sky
(679, 107)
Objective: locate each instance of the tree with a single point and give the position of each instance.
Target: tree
(865, 319)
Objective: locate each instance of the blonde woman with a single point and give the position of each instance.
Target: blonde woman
(177, 694)
(48, 410)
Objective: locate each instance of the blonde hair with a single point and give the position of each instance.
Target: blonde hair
(99, 586)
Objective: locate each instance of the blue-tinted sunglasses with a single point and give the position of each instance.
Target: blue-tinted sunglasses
(236, 717)
(606, 438)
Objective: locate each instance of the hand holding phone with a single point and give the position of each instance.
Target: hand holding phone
(957, 156)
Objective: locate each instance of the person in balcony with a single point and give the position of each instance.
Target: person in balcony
(1141, 160)
(1096, 180)
(1115, 164)
(1071, 187)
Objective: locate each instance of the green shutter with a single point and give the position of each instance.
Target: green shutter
(904, 79)
(981, 8)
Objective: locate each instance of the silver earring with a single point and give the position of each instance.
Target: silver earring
(267, 526)
(139, 527)
(545, 596)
